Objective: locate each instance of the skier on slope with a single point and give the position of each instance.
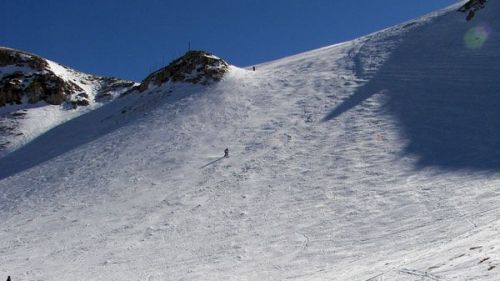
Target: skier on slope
(226, 152)
(8, 278)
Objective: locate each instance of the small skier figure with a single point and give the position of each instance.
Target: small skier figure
(8, 278)
(226, 152)
(253, 68)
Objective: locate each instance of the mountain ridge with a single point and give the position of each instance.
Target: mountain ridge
(37, 94)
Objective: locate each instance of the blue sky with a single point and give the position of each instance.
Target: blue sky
(130, 38)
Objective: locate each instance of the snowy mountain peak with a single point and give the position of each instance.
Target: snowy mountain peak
(37, 94)
(29, 77)
(195, 67)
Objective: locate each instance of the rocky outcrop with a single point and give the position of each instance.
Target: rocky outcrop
(195, 67)
(109, 85)
(471, 7)
(15, 57)
(35, 87)
(28, 78)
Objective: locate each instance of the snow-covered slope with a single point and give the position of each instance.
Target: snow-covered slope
(368, 160)
(37, 94)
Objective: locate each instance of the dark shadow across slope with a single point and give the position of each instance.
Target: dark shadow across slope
(87, 128)
(441, 84)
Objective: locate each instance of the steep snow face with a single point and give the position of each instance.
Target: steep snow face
(37, 94)
(325, 180)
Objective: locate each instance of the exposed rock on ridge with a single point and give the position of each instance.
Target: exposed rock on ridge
(195, 67)
(29, 78)
(26, 75)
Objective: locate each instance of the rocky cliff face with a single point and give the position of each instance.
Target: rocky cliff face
(195, 67)
(28, 77)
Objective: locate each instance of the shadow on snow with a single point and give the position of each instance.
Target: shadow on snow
(82, 130)
(444, 95)
(213, 162)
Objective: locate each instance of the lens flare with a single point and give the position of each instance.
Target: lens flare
(477, 36)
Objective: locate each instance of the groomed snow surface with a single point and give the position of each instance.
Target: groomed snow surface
(375, 159)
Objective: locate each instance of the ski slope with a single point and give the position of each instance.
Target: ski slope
(373, 159)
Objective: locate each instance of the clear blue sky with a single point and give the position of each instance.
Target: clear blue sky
(129, 38)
